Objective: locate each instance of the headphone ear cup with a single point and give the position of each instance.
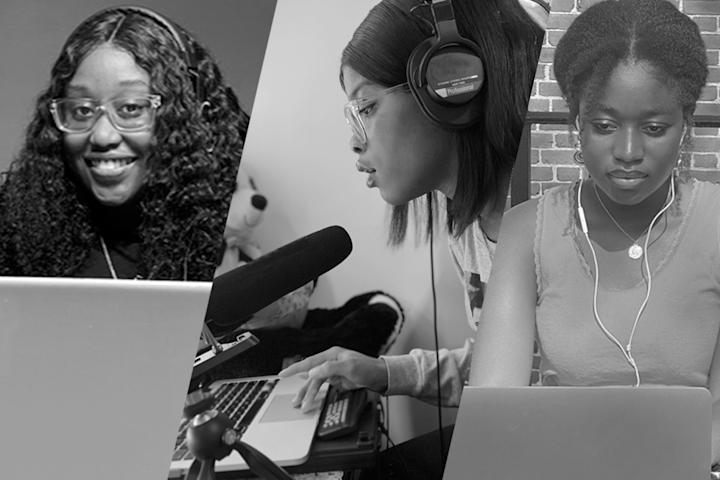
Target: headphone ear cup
(446, 82)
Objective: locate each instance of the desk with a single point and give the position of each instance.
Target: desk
(349, 454)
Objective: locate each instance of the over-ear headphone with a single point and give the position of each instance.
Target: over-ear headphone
(446, 73)
(184, 42)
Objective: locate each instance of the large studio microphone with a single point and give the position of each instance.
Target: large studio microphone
(245, 290)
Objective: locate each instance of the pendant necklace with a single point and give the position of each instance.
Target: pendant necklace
(635, 251)
(108, 260)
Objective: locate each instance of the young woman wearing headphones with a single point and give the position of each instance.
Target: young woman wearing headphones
(415, 140)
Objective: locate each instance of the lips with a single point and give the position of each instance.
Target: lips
(370, 173)
(626, 179)
(627, 174)
(109, 168)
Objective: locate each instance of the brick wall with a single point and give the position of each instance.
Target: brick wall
(552, 147)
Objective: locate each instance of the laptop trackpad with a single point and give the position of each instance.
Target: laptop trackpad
(281, 410)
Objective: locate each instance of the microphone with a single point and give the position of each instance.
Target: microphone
(245, 290)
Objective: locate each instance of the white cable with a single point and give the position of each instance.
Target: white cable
(627, 351)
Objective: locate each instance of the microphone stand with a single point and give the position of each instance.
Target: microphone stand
(211, 437)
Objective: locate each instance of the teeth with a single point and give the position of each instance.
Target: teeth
(109, 163)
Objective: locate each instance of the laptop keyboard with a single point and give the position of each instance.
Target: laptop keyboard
(239, 400)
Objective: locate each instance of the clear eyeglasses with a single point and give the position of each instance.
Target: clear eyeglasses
(134, 113)
(354, 108)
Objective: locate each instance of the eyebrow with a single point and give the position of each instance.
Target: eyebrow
(124, 83)
(647, 113)
(353, 94)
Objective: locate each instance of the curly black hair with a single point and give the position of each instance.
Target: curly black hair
(46, 223)
(510, 41)
(611, 32)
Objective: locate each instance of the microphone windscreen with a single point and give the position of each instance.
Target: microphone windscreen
(246, 290)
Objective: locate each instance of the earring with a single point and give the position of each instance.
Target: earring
(578, 156)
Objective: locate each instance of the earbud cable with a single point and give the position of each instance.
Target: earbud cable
(627, 351)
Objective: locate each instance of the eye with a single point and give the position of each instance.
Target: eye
(131, 109)
(603, 128)
(366, 110)
(82, 111)
(655, 130)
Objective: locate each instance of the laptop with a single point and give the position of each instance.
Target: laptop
(94, 374)
(262, 412)
(544, 433)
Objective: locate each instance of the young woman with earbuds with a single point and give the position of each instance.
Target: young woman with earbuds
(618, 275)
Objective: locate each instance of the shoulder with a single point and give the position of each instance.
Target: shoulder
(518, 225)
(706, 195)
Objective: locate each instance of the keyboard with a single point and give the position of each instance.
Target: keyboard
(240, 401)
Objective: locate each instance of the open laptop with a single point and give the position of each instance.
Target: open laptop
(544, 433)
(94, 375)
(263, 414)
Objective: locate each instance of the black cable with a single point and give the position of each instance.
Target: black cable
(397, 450)
(437, 349)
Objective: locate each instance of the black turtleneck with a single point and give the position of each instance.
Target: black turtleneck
(119, 227)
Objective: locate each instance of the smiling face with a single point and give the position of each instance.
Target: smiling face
(631, 137)
(405, 155)
(111, 164)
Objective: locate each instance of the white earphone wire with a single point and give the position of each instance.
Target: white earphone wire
(627, 351)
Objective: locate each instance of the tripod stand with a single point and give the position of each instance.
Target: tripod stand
(211, 437)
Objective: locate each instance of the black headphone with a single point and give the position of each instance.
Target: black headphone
(184, 42)
(446, 73)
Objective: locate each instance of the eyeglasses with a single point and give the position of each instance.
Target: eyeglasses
(355, 108)
(127, 114)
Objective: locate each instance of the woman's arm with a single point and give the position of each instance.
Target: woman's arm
(504, 342)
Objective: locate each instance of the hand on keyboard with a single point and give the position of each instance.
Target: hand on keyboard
(340, 367)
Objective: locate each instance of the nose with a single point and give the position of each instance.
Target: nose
(628, 146)
(104, 135)
(356, 145)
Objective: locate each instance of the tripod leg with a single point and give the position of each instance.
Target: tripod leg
(201, 470)
(260, 464)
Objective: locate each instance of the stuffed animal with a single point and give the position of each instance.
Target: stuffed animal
(247, 208)
(240, 246)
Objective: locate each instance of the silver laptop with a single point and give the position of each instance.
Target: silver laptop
(262, 412)
(94, 375)
(544, 433)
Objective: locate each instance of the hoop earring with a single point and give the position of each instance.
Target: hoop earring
(578, 156)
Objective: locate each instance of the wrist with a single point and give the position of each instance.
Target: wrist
(381, 376)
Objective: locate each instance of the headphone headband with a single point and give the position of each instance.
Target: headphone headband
(183, 41)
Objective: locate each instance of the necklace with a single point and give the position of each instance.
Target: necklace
(635, 251)
(108, 260)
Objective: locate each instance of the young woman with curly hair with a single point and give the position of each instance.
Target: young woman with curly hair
(129, 162)
(616, 275)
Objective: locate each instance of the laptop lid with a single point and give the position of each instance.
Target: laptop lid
(544, 433)
(94, 374)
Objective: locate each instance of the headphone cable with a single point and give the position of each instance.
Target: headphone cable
(437, 349)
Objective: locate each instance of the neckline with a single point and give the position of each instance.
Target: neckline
(674, 240)
(121, 222)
